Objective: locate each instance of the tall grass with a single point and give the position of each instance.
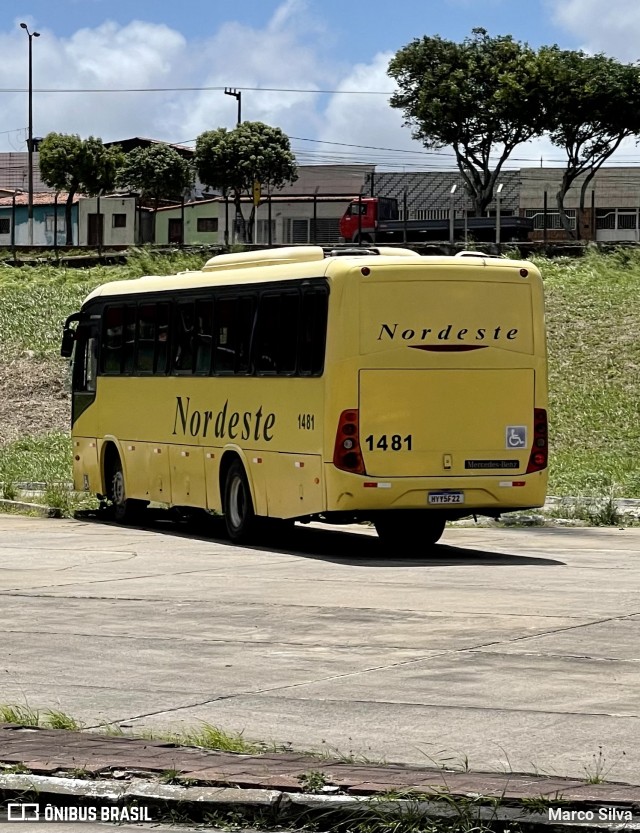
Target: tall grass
(34, 301)
(593, 319)
(45, 459)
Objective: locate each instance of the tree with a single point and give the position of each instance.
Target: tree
(157, 172)
(596, 104)
(481, 97)
(232, 160)
(69, 163)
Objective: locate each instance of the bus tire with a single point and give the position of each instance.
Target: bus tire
(239, 515)
(423, 529)
(125, 510)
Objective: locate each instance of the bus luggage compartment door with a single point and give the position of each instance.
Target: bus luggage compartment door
(439, 423)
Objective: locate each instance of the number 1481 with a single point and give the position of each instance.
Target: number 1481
(389, 442)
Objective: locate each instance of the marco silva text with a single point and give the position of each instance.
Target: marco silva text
(611, 814)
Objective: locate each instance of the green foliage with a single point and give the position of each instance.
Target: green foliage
(156, 173)
(232, 160)
(69, 163)
(481, 97)
(55, 719)
(596, 104)
(38, 459)
(19, 715)
(313, 781)
(594, 357)
(34, 301)
(598, 769)
(211, 737)
(14, 769)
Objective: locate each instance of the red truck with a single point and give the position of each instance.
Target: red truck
(376, 220)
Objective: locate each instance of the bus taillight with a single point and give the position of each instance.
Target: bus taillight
(347, 454)
(539, 456)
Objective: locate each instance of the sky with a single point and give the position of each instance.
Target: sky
(277, 53)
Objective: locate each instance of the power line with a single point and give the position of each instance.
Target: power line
(192, 89)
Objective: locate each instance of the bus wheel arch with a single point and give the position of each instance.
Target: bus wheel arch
(238, 504)
(124, 509)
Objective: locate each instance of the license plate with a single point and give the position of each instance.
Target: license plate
(446, 497)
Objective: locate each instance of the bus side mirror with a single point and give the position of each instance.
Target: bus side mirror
(68, 340)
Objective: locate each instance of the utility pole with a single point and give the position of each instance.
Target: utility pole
(237, 94)
(30, 35)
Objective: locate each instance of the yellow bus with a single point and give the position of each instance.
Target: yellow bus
(308, 384)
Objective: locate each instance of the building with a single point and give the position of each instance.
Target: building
(200, 220)
(114, 220)
(309, 210)
(611, 207)
(14, 173)
(49, 223)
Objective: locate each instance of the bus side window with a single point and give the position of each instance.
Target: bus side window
(204, 336)
(184, 338)
(224, 359)
(162, 343)
(276, 342)
(244, 331)
(266, 340)
(313, 333)
(130, 322)
(112, 340)
(146, 338)
(233, 324)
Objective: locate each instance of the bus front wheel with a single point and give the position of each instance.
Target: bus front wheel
(239, 515)
(414, 528)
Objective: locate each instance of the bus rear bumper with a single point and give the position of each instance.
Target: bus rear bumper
(456, 497)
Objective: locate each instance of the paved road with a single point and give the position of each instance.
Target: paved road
(514, 648)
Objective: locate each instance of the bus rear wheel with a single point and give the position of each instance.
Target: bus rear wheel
(125, 510)
(415, 529)
(239, 515)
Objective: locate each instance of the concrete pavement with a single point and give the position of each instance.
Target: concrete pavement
(502, 649)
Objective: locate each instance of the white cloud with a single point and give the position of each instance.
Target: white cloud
(369, 120)
(610, 27)
(293, 50)
(138, 55)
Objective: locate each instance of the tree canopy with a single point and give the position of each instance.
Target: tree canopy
(232, 160)
(596, 104)
(481, 97)
(69, 163)
(157, 172)
(486, 95)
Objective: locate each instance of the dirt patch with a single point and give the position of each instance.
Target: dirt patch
(34, 398)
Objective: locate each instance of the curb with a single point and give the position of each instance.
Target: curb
(142, 800)
(45, 511)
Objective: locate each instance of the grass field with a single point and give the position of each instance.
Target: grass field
(593, 318)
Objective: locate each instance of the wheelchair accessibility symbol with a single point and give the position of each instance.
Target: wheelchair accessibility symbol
(516, 436)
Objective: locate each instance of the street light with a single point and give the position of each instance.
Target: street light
(452, 214)
(498, 193)
(30, 35)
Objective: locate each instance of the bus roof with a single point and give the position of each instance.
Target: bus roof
(278, 264)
